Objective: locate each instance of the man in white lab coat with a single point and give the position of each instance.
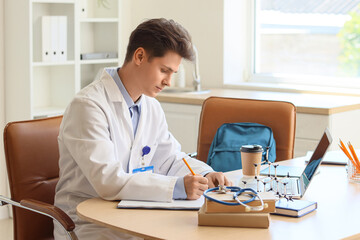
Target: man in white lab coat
(115, 128)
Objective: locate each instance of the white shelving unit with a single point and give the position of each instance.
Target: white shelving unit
(36, 89)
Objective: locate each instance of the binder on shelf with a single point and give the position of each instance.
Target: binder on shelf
(62, 39)
(45, 37)
(54, 38)
(83, 9)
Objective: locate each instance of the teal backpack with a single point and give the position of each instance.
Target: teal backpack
(224, 154)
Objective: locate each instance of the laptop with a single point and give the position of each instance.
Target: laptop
(298, 183)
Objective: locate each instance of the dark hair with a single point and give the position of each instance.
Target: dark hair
(158, 36)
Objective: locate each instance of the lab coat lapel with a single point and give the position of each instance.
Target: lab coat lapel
(119, 103)
(141, 123)
(139, 137)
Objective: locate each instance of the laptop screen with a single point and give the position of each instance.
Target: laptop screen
(315, 160)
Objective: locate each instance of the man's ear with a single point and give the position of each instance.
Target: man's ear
(139, 55)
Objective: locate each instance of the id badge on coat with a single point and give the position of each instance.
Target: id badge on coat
(143, 168)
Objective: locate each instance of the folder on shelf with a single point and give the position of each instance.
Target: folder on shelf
(83, 8)
(45, 37)
(54, 38)
(62, 38)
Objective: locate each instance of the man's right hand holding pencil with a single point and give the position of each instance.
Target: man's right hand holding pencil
(195, 184)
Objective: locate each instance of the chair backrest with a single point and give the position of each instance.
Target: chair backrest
(32, 156)
(280, 116)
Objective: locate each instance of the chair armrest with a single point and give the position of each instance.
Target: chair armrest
(50, 210)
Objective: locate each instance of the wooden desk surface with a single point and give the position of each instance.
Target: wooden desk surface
(337, 216)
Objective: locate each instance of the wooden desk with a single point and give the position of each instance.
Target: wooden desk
(337, 216)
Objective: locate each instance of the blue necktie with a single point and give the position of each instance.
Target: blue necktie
(134, 114)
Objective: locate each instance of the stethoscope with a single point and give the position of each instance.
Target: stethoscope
(237, 192)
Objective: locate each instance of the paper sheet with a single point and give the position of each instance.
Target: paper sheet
(174, 205)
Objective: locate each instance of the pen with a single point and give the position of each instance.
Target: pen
(188, 167)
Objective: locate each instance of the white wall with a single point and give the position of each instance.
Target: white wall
(3, 182)
(204, 21)
(202, 18)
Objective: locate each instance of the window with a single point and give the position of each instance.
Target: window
(307, 41)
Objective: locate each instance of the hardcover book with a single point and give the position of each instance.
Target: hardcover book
(295, 208)
(248, 220)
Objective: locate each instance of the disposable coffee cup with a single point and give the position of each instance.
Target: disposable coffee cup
(250, 155)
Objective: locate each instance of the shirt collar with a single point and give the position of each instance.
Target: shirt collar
(130, 103)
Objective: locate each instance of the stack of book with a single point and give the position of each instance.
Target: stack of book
(217, 214)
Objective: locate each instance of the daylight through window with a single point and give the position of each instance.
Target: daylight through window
(307, 38)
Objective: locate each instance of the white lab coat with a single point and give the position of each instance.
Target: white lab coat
(98, 152)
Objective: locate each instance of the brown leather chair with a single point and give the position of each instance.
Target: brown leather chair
(280, 116)
(32, 156)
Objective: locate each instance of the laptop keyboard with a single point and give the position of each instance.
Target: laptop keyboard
(291, 187)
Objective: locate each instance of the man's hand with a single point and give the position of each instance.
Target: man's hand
(195, 186)
(216, 179)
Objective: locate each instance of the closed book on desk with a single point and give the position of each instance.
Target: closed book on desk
(269, 198)
(295, 208)
(248, 220)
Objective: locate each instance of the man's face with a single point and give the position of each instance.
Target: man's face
(157, 72)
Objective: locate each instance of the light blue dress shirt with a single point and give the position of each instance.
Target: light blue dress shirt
(135, 111)
(134, 108)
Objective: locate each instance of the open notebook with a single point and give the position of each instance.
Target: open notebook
(174, 205)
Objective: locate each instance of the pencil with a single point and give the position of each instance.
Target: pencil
(349, 157)
(188, 167)
(346, 153)
(345, 150)
(354, 155)
(353, 152)
(343, 146)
